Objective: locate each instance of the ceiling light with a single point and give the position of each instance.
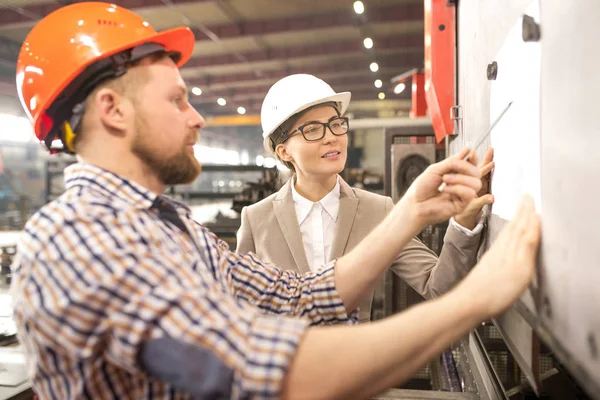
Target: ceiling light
(378, 83)
(197, 91)
(241, 110)
(368, 42)
(359, 7)
(221, 101)
(399, 88)
(374, 67)
(381, 95)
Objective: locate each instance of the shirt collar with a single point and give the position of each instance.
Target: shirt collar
(111, 184)
(331, 202)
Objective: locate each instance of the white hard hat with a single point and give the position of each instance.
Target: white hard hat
(293, 94)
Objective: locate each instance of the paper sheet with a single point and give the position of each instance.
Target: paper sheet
(516, 137)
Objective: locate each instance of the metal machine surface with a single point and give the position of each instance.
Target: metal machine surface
(409, 149)
(562, 307)
(409, 160)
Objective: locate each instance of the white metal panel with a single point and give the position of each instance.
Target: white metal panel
(483, 27)
(566, 310)
(570, 175)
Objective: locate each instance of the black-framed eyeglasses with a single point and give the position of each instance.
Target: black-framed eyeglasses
(314, 130)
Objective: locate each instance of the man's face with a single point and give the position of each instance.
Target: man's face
(166, 126)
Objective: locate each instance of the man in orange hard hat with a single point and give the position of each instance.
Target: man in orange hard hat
(118, 293)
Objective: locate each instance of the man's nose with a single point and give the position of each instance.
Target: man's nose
(196, 121)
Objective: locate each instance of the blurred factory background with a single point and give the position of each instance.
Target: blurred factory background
(380, 50)
(242, 48)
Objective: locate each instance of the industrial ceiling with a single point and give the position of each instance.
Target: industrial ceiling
(244, 46)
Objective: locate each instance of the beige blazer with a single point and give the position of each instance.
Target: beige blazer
(270, 229)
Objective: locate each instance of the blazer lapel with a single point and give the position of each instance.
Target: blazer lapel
(348, 206)
(285, 212)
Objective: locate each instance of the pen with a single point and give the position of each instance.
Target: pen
(481, 140)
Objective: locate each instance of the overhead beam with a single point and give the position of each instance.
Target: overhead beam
(254, 103)
(363, 81)
(366, 79)
(340, 83)
(9, 52)
(326, 49)
(397, 61)
(251, 94)
(414, 59)
(358, 107)
(362, 74)
(333, 19)
(258, 97)
(234, 120)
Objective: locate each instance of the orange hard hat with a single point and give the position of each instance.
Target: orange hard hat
(73, 49)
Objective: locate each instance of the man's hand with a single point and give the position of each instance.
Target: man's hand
(471, 214)
(507, 268)
(428, 205)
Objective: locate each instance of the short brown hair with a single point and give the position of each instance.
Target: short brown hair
(281, 134)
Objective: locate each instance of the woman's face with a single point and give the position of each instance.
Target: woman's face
(323, 157)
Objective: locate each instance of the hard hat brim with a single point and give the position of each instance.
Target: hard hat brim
(180, 40)
(342, 98)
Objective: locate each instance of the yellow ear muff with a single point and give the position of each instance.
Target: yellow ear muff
(68, 136)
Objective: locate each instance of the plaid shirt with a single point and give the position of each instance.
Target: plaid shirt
(99, 274)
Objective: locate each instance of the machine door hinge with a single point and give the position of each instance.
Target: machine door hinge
(456, 116)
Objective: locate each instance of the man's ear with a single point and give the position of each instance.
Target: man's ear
(283, 154)
(112, 109)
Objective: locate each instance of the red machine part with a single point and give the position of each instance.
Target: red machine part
(419, 100)
(440, 64)
(419, 103)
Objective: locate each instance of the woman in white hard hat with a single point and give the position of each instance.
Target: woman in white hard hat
(317, 217)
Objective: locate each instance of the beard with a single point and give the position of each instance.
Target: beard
(180, 168)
